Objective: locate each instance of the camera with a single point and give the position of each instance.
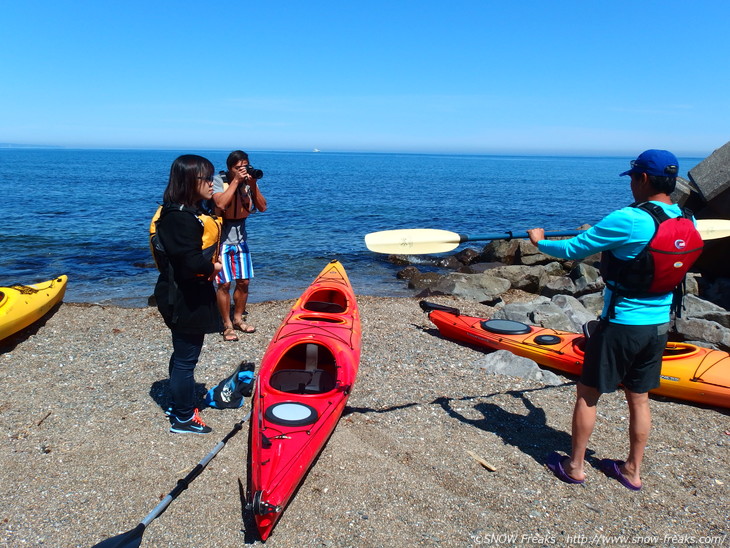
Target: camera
(253, 172)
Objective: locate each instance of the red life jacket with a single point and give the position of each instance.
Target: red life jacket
(662, 265)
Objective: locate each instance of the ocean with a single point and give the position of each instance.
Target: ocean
(86, 213)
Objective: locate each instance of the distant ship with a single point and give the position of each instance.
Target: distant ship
(315, 150)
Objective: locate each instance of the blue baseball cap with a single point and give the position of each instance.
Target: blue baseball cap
(655, 162)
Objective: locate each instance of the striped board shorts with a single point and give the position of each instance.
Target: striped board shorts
(237, 265)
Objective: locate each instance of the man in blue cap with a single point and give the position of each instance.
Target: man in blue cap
(626, 348)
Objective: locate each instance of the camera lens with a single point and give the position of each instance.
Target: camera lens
(253, 172)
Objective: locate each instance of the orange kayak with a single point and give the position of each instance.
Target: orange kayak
(305, 378)
(689, 372)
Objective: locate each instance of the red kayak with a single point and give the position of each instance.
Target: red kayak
(305, 378)
(689, 372)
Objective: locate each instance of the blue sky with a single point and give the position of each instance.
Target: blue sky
(534, 77)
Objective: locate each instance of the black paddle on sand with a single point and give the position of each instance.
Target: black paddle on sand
(133, 538)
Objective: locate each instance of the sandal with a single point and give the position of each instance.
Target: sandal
(243, 326)
(229, 335)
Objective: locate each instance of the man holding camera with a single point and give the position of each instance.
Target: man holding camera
(236, 195)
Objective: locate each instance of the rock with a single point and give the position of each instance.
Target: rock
(503, 362)
(503, 251)
(482, 288)
(451, 262)
(552, 316)
(422, 280)
(574, 310)
(525, 278)
(399, 259)
(467, 256)
(587, 279)
(407, 273)
(554, 268)
(593, 303)
(528, 254)
(705, 330)
(712, 175)
(694, 307)
(519, 312)
(683, 191)
(479, 268)
(558, 285)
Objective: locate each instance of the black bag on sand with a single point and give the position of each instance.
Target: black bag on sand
(229, 393)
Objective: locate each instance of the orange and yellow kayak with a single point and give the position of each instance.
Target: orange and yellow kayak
(23, 305)
(689, 372)
(305, 378)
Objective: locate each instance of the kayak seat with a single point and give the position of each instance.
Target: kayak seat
(318, 306)
(326, 300)
(298, 381)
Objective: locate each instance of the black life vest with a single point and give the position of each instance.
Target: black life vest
(662, 265)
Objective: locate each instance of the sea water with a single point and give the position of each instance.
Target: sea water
(86, 213)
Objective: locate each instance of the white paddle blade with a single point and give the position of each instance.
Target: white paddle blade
(712, 229)
(412, 241)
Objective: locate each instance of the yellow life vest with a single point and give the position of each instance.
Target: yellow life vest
(211, 235)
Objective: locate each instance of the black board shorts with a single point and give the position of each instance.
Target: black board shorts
(628, 355)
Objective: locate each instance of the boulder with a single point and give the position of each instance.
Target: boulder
(540, 312)
(577, 314)
(552, 316)
(478, 268)
(503, 362)
(502, 251)
(407, 273)
(525, 278)
(519, 312)
(712, 175)
(694, 307)
(704, 330)
(423, 280)
(528, 254)
(587, 279)
(483, 288)
(593, 302)
(467, 256)
(558, 285)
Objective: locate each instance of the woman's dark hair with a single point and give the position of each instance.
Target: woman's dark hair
(235, 157)
(184, 175)
(662, 183)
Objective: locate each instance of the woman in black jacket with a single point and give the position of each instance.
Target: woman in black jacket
(184, 291)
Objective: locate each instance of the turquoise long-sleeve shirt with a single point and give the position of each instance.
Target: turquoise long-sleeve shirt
(625, 232)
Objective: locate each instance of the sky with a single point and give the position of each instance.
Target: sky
(477, 77)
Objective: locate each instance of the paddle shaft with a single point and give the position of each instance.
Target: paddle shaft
(509, 235)
(415, 241)
(133, 538)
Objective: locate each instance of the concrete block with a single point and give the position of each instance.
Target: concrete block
(712, 175)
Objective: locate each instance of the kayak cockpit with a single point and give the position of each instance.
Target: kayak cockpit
(305, 368)
(330, 301)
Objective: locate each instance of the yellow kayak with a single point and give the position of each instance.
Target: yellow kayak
(22, 305)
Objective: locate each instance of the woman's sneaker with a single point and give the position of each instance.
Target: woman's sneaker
(194, 425)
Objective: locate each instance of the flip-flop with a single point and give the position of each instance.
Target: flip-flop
(244, 327)
(555, 465)
(229, 335)
(612, 468)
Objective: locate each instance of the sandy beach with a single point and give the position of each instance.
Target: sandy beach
(86, 452)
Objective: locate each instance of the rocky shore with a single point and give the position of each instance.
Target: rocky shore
(86, 453)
